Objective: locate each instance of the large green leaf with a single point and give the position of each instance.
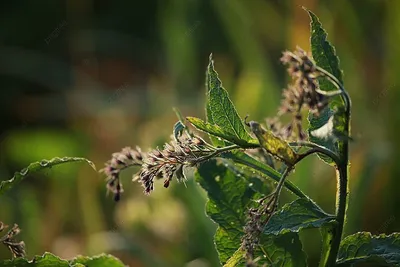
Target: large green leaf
(299, 214)
(328, 129)
(230, 197)
(50, 260)
(383, 250)
(37, 166)
(284, 250)
(220, 109)
(220, 132)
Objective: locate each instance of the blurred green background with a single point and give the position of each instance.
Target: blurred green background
(86, 78)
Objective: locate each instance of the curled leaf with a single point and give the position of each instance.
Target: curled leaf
(274, 145)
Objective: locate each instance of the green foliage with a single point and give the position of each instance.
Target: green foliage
(230, 196)
(251, 227)
(364, 247)
(274, 145)
(219, 108)
(282, 250)
(300, 214)
(50, 260)
(326, 130)
(328, 234)
(247, 161)
(38, 166)
(218, 131)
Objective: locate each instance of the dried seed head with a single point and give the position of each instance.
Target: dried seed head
(303, 93)
(119, 161)
(17, 248)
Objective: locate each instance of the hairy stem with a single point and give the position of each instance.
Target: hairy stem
(318, 149)
(342, 177)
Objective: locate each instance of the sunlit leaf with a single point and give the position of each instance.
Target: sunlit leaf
(328, 234)
(274, 145)
(382, 250)
(215, 130)
(236, 259)
(328, 129)
(38, 166)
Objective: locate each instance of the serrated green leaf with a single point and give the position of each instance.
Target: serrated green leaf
(220, 109)
(37, 166)
(215, 130)
(50, 260)
(283, 250)
(274, 145)
(364, 247)
(214, 140)
(102, 260)
(299, 214)
(328, 129)
(230, 196)
(47, 260)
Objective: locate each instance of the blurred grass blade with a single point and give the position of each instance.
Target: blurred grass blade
(218, 131)
(327, 129)
(37, 166)
(382, 250)
(220, 109)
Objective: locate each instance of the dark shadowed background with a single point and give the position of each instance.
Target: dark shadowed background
(86, 78)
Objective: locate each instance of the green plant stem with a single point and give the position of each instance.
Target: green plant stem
(318, 149)
(342, 177)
